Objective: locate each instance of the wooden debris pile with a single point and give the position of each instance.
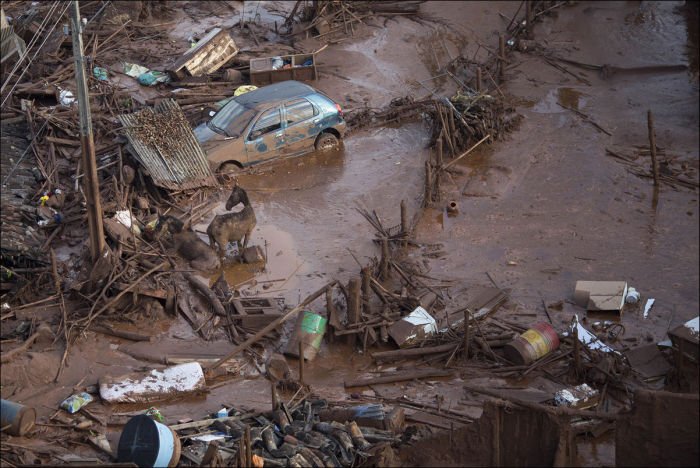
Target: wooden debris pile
(386, 290)
(326, 18)
(480, 115)
(399, 110)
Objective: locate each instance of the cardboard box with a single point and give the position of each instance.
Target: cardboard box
(601, 295)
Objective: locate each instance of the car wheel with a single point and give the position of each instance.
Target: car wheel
(327, 142)
(229, 168)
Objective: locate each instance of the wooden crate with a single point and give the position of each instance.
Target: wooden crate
(261, 72)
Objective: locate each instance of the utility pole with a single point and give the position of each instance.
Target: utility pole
(91, 187)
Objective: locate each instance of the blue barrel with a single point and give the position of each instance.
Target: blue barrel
(19, 418)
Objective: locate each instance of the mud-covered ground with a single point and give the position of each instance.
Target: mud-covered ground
(538, 211)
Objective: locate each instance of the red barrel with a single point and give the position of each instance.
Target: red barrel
(540, 340)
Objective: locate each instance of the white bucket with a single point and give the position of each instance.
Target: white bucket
(148, 443)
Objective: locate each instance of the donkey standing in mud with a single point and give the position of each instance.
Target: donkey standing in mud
(232, 227)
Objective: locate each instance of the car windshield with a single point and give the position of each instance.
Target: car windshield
(232, 119)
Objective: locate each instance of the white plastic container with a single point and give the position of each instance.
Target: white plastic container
(632, 296)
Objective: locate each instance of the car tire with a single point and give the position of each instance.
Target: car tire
(326, 141)
(229, 168)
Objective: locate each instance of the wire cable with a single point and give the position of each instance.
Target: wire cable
(12, 171)
(34, 56)
(33, 41)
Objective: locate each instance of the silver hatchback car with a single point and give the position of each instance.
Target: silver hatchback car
(283, 119)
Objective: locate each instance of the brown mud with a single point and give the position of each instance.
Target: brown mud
(538, 211)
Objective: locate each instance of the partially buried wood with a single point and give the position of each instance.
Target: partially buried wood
(399, 377)
(207, 293)
(412, 352)
(210, 454)
(107, 330)
(142, 291)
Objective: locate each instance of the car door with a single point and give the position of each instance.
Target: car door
(265, 138)
(300, 130)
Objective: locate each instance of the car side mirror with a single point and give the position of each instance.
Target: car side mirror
(212, 113)
(255, 134)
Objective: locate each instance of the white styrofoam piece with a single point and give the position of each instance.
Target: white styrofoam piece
(136, 387)
(647, 307)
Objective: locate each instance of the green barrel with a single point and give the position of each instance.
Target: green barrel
(309, 330)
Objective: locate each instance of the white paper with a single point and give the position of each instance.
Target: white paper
(648, 306)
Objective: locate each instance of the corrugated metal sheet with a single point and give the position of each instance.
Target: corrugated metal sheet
(21, 238)
(176, 161)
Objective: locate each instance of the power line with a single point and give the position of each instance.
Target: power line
(33, 41)
(12, 171)
(34, 56)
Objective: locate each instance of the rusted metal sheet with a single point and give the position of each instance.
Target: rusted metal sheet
(207, 56)
(163, 142)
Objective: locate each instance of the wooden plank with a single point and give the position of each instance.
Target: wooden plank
(411, 352)
(157, 293)
(399, 377)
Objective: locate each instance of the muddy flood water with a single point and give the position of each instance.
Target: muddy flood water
(537, 211)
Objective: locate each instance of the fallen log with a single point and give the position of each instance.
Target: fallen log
(63, 141)
(399, 377)
(207, 293)
(411, 352)
(107, 330)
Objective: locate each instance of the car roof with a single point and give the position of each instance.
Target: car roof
(274, 92)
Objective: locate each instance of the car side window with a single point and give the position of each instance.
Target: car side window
(269, 121)
(299, 110)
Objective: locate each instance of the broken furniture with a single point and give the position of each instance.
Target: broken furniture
(207, 56)
(300, 67)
